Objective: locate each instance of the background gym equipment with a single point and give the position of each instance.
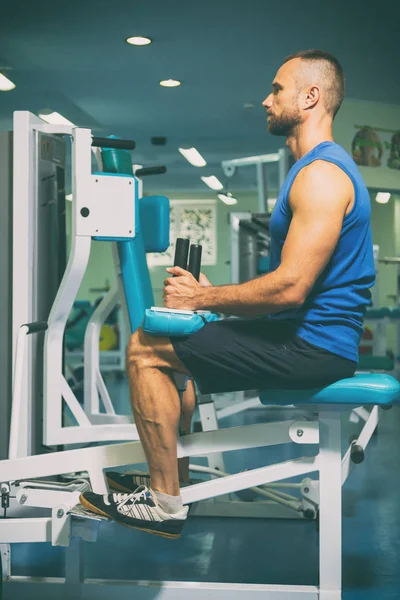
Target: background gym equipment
(283, 159)
(250, 244)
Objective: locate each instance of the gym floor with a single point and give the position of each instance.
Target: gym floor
(258, 551)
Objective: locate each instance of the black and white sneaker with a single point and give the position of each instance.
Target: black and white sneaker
(139, 510)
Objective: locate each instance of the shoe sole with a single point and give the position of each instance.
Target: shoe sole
(88, 505)
(120, 488)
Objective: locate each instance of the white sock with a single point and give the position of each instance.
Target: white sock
(169, 504)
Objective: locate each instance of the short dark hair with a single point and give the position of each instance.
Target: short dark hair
(333, 74)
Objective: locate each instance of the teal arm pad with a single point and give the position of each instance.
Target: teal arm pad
(175, 324)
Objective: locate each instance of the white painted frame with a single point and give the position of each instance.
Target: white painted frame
(95, 389)
(332, 469)
(88, 192)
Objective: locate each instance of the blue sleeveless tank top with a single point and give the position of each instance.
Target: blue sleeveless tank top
(333, 313)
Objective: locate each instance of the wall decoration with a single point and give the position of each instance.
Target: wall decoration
(376, 147)
(193, 219)
(394, 156)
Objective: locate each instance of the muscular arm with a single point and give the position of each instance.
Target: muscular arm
(320, 197)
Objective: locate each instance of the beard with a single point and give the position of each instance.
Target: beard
(285, 124)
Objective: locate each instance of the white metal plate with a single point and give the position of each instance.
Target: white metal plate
(111, 204)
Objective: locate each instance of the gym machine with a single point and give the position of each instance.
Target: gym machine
(250, 231)
(38, 506)
(33, 245)
(378, 318)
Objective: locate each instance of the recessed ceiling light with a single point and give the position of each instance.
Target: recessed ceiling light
(383, 197)
(193, 156)
(170, 83)
(227, 198)
(138, 40)
(213, 183)
(54, 118)
(6, 85)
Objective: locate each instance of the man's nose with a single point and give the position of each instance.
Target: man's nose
(267, 102)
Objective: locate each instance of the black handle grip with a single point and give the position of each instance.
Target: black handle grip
(36, 327)
(181, 253)
(100, 142)
(160, 170)
(195, 260)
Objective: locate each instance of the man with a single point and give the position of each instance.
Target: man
(303, 320)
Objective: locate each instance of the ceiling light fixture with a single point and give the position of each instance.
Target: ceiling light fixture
(227, 198)
(383, 197)
(193, 156)
(213, 183)
(138, 40)
(54, 118)
(170, 83)
(6, 85)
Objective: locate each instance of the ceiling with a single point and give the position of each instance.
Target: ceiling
(71, 57)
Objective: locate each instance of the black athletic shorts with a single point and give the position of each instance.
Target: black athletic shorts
(249, 354)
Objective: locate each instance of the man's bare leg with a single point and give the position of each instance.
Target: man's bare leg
(188, 406)
(151, 362)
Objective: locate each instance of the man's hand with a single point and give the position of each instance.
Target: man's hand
(183, 291)
(204, 282)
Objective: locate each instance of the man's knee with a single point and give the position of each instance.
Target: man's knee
(145, 350)
(140, 348)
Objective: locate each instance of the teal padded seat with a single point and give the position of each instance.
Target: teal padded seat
(360, 390)
(395, 313)
(378, 313)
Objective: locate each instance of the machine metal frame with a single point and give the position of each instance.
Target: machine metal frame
(324, 431)
(43, 510)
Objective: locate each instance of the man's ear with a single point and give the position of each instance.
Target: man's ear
(312, 96)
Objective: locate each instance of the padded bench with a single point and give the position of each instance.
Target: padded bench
(362, 389)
